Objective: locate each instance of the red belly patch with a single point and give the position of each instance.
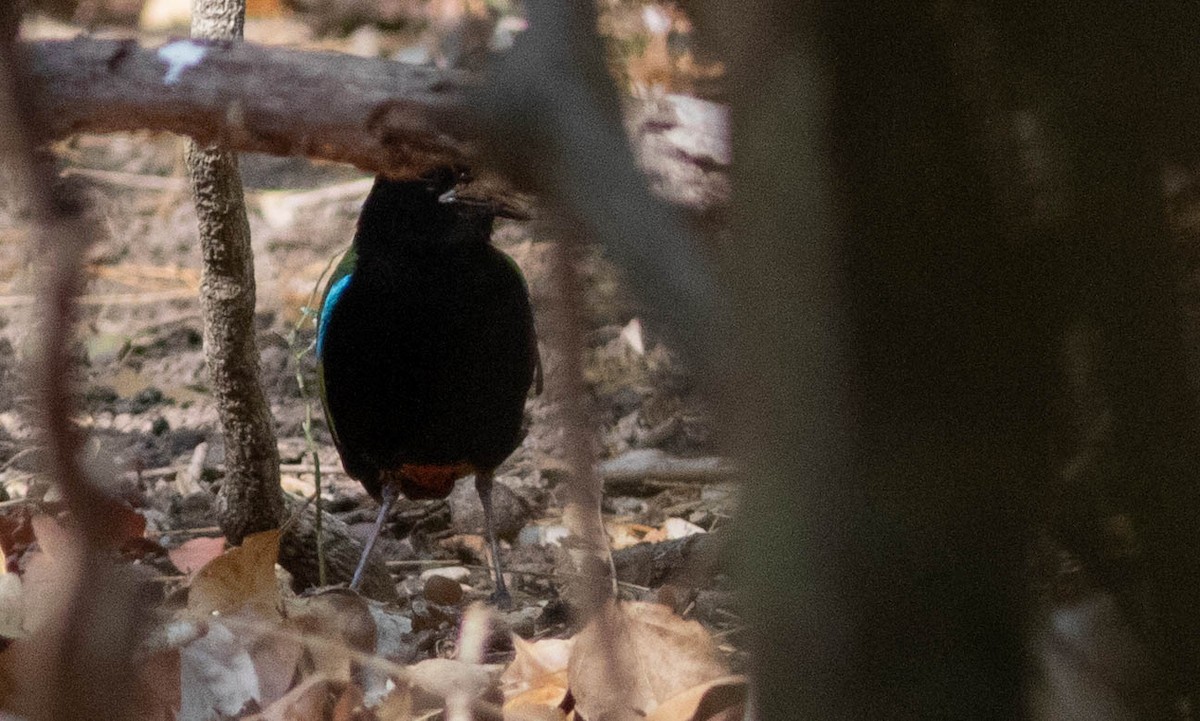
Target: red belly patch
(428, 480)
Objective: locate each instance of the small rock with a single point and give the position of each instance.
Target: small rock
(195, 510)
(442, 591)
(542, 535)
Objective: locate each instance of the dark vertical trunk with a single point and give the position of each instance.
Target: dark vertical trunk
(951, 315)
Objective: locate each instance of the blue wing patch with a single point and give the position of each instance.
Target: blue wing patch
(331, 299)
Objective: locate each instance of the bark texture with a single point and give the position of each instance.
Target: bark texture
(376, 114)
(251, 499)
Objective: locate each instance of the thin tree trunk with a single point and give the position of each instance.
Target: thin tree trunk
(251, 499)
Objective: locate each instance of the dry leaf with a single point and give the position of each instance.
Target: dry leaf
(397, 705)
(349, 705)
(12, 606)
(50, 581)
(191, 555)
(275, 658)
(624, 535)
(241, 578)
(443, 677)
(634, 656)
(264, 8)
(217, 675)
(312, 700)
(672, 529)
(548, 693)
(16, 534)
(160, 15)
(534, 663)
(339, 616)
(535, 713)
(722, 698)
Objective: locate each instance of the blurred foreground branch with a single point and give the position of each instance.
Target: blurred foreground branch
(85, 653)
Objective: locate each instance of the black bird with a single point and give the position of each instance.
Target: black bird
(426, 349)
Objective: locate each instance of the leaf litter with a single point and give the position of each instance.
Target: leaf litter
(234, 640)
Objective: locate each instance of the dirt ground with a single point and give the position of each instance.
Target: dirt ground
(143, 391)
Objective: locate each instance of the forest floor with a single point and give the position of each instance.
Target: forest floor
(144, 397)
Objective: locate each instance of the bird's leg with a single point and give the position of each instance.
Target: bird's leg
(483, 485)
(388, 498)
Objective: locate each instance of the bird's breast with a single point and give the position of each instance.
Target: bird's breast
(427, 480)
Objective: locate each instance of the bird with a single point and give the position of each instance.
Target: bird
(426, 349)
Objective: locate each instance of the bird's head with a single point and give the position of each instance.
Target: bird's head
(425, 213)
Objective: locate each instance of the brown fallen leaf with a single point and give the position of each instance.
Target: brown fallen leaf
(535, 665)
(275, 658)
(190, 556)
(547, 694)
(624, 535)
(349, 706)
(313, 699)
(242, 578)
(16, 534)
(633, 656)
(339, 616)
(722, 699)
(397, 705)
(472, 544)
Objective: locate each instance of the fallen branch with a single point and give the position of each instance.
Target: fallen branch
(637, 465)
(378, 115)
(692, 560)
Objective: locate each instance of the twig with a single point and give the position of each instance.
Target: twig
(643, 463)
(160, 296)
(556, 575)
(298, 354)
(203, 531)
(127, 180)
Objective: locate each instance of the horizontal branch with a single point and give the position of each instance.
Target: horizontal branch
(375, 114)
(378, 115)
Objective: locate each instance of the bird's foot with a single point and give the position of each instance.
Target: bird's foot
(501, 599)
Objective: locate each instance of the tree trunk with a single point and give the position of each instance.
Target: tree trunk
(251, 499)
